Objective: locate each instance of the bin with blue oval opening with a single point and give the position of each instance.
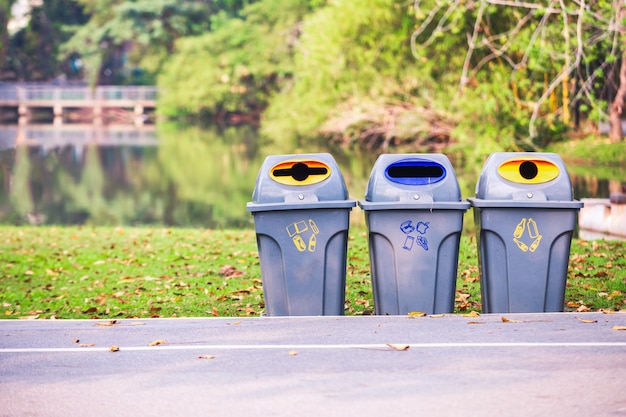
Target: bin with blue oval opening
(301, 215)
(526, 216)
(414, 215)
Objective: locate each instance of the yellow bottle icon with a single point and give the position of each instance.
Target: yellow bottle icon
(532, 228)
(519, 229)
(521, 245)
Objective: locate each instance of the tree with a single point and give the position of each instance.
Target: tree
(138, 33)
(615, 113)
(551, 54)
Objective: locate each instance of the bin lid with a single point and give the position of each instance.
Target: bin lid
(299, 181)
(524, 176)
(409, 181)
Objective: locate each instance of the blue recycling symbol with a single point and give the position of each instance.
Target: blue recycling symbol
(408, 228)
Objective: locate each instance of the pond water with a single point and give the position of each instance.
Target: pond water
(165, 175)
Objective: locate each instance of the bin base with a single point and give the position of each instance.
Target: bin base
(303, 261)
(523, 258)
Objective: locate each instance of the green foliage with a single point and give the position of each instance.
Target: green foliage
(151, 26)
(348, 52)
(236, 67)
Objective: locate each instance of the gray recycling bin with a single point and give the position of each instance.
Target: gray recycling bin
(525, 217)
(414, 216)
(301, 215)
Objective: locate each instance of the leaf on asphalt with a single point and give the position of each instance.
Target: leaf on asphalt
(107, 323)
(505, 320)
(138, 323)
(206, 356)
(605, 311)
(472, 314)
(413, 314)
(157, 342)
(619, 327)
(87, 345)
(476, 322)
(114, 348)
(293, 353)
(75, 341)
(436, 316)
(398, 347)
(586, 320)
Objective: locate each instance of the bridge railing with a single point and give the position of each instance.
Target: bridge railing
(33, 92)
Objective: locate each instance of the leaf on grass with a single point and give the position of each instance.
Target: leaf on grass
(230, 271)
(114, 348)
(605, 311)
(416, 314)
(586, 320)
(505, 320)
(472, 314)
(206, 356)
(582, 308)
(619, 327)
(157, 342)
(107, 323)
(86, 345)
(398, 347)
(293, 353)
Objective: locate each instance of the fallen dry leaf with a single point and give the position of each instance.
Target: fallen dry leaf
(114, 348)
(398, 347)
(619, 327)
(586, 320)
(75, 340)
(107, 323)
(206, 356)
(476, 322)
(436, 316)
(230, 271)
(293, 353)
(472, 314)
(86, 345)
(416, 314)
(157, 342)
(505, 320)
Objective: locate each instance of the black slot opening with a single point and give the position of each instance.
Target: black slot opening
(528, 170)
(415, 171)
(300, 171)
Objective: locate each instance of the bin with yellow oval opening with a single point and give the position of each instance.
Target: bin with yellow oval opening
(301, 215)
(525, 215)
(414, 216)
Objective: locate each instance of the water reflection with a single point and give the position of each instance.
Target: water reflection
(171, 175)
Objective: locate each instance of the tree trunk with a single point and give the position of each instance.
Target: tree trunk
(615, 114)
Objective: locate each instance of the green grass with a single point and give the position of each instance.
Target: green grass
(85, 272)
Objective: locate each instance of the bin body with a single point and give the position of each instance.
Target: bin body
(525, 217)
(414, 218)
(301, 217)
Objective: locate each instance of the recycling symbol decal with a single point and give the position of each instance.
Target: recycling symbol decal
(526, 235)
(415, 234)
(303, 234)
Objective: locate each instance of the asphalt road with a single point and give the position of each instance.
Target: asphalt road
(556, 364)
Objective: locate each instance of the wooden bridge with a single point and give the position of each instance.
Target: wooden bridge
(25, 103)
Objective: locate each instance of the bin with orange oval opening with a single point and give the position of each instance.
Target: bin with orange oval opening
(526, 216)
(301, 216)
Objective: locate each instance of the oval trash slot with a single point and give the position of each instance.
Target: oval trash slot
(528, 170)
(415, 171)
(299, 172)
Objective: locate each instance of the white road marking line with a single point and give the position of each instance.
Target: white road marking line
(322, 347)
